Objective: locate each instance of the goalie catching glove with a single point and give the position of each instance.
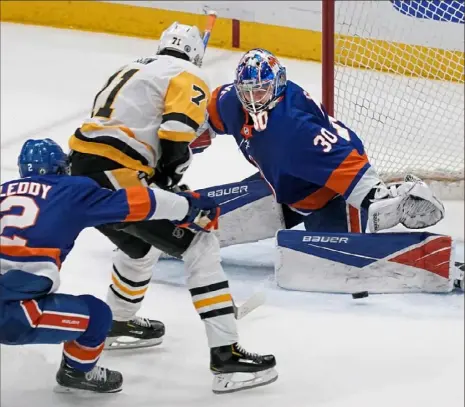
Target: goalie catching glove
(203, 212)
(411, 203)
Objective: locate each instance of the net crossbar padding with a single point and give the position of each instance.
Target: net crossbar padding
(397, 79)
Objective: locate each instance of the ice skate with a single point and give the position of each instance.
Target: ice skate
(98, 380)
(236, 369)
(135, 333)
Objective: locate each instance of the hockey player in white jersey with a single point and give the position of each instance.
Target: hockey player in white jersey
(142, 122)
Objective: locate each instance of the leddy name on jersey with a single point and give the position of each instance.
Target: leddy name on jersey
(25, 188)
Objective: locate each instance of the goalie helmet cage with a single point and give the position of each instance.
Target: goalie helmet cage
(393, 71)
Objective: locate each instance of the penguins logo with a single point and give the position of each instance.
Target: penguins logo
(178, 233)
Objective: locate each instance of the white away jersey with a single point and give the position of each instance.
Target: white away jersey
(147, 100)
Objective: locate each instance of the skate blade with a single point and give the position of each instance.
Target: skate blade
(127, 342)
(82, 392)
(224, 383)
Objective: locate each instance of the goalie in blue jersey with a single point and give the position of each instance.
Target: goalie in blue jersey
(314, 165)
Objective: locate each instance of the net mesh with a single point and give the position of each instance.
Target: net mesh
(407, 100)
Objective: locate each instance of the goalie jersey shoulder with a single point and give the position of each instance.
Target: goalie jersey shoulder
(301, 152)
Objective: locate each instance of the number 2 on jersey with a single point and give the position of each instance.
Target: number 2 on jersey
(25, 219)
(115, 83)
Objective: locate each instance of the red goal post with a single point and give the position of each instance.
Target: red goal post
(394, 72)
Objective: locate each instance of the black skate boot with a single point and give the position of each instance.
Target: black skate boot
(98, 380)
(136, 333)
(236, 369)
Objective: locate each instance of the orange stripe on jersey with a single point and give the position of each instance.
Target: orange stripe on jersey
(82, 353)
(24, 251)
(139, 204)
(315, 200)
(354, 219)
(341, 178)
(212, 109)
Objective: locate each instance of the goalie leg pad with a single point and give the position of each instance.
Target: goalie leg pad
(377, 263)
(249, 212)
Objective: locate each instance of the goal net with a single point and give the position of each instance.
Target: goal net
(394, 72)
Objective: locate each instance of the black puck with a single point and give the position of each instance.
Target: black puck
(361, 294)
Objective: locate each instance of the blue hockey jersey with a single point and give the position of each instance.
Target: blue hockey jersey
(305, 156)
(41, 218)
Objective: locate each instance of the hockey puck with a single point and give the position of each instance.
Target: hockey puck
(361, 294)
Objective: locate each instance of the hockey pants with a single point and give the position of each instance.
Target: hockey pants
(81, 322)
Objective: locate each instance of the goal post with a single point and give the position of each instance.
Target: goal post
(393, 71)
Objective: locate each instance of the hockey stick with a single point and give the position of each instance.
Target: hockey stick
(211, 18)
(251, 304)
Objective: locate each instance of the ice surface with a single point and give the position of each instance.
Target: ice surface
(383, 351)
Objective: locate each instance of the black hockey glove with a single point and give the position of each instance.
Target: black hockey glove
(175, 160)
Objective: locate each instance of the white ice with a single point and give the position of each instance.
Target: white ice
(384, 351)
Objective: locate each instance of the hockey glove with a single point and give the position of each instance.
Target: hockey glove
(421, 209)
(169, 171)
(411, 203)
(203, 212)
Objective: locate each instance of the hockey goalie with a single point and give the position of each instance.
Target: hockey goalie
(314, 169)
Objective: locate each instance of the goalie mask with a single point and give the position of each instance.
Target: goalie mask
(184, 39)
(260, 80)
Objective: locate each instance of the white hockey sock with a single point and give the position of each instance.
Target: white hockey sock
(210, 290)
(130, 281)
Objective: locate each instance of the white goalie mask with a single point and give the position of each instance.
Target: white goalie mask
(185, 39)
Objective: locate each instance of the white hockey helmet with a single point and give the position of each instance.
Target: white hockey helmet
(185, 39)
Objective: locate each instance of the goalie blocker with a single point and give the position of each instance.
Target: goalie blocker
(248, 212)
(377, 263)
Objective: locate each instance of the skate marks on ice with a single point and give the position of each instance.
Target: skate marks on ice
(324, 359)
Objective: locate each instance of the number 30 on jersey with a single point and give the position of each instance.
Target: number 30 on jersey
(326, 139)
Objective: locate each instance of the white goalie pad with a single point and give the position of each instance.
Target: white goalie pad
(377, 263)
(249, 212)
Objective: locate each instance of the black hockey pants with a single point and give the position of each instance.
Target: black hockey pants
(133, 238)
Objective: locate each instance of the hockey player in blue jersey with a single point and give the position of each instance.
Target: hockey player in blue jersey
(41, 216)
(314, 165)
